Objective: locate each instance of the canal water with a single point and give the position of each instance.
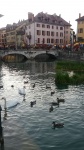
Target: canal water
(30, 128)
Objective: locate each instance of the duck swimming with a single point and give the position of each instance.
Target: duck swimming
(32, 103)
(33, 85)
(57, 125)
(52, 92)
(12, 86)
(54, 103)
(51, 109)
(60, 100)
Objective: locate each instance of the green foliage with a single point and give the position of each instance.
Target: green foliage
(62, 77)
(70, 65)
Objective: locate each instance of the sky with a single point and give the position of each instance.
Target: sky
(15, 10)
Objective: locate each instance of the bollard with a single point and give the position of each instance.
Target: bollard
(1, 130)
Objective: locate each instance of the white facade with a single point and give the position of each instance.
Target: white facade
(45, 34)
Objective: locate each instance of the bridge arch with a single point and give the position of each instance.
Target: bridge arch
(14, 57)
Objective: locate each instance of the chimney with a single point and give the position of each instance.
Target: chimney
(59, 15)
(79, 15)
(30, 16)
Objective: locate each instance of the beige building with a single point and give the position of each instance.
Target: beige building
(80, 28)
(15, 34)
(47, 29)
(3, 37)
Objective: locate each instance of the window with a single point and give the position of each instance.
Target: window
(57, 27)
(61, 41)
(57, 41)
(56, 33)
(38, 40)
(48, 33)
(48, 26)
(48, 40)
(80, 30)
(43, 25)
(61, 28)
(52, 40)
(52, 33)
(43, 41)
(38, 32)
(38, 25)
(43, 33)
(61, 34)
(52, 27)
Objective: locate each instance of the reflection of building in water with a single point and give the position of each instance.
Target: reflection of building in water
(42, 67)
(34, 67)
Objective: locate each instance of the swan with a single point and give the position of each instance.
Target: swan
(57, 125)
(22, 91)
(10, 104)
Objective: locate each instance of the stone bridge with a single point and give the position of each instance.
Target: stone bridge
(29, 54)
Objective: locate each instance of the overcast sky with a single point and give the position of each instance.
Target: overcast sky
(15, 10)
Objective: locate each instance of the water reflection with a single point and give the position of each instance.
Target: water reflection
(32, 67)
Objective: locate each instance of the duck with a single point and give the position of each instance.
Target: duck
(48, 87)
(25, 82)
(1, 86)
(51, 109)
(32, 103)
(12, 86)
(54, 103)
(52, 92)
(22, 91)
(57, 125)
(33, 85)
(60, 100)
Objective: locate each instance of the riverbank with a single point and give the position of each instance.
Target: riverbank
(69, 73)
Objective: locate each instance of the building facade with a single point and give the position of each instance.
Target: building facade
(15, 34)
(47, 29)
(2, 37)
(80, 28)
